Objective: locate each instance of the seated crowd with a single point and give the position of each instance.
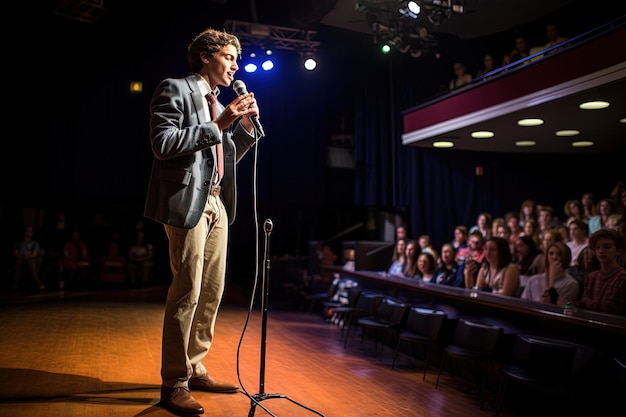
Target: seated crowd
(532, 255)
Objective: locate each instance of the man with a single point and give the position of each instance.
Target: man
(192, 193)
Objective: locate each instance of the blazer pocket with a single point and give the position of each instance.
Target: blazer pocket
(178, 176)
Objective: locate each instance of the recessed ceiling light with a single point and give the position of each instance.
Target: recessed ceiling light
(567, 132)
(594, 105)
(622, 120)
(525, 143)
(582, 144)
(482, 134)
(530, 122)
(443, 144)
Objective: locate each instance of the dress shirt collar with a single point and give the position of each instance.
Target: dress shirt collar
(204, 86)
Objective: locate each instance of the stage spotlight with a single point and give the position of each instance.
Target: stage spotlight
(411, 9)
(250, 67)
(267, 65)
(309, 62)
(385, 48)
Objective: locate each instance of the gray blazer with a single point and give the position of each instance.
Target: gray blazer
(184, 168)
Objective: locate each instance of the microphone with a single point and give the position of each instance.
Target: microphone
(240, 88)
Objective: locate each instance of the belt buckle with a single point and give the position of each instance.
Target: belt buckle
(215, 190)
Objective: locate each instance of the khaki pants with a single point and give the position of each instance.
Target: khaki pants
(198, 263)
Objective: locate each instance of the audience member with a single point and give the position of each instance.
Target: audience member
(447, 272)
(426, 245)
(26, 254)
(573, 210)
(140, 262)
(498, 273)
(426, 266)
(553, 32)
(504, 231)
(588, 200)
(528, 258)
(546, 220)
(520, 51)
(513, 221)
(606, 207)
(495, 223)
(617, 194)
(401, 232)
(473, 259)
(579, 239)
(411, 253)
(398, 259)
(489, 64)
(605, 289)
(460, 237)
(461, 76)
(531, 229)
(555, 285)
(484, 223)
(75, 262)
(527, 211)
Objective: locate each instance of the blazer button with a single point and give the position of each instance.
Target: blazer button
(206, 183)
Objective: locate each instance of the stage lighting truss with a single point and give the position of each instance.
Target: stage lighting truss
(401, 24)
(269, 37)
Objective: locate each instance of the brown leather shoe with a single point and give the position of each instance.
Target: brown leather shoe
(180, 401)
(206, 383)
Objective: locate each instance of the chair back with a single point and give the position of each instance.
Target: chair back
(392, 312)
(551, 357)
(367, 302)
(425, 322)
(477, 336)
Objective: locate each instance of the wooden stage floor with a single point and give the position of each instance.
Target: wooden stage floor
(97, 353)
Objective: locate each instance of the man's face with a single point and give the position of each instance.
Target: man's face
(222, 66)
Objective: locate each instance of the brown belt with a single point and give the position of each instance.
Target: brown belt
(215, 190)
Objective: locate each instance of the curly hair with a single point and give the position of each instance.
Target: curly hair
(211, 41)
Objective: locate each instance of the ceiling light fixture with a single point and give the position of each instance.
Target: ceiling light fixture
(411, 9)
(482, 134)
(622, 120)
(567, 132)
(582, 144)
(530, 122)
(524, 143)
(594, 105)
(443, 144)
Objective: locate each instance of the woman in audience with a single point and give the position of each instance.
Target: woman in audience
(412, 251)
(588, 200)
(606, 207)
(484, 223)
(398, 259)
(573, 210)
(528, 259)
(448, 271)
(555, 285)
(498, 274)
(605, 289)
(531, 230)
(461, 76)
(426, 265)
(460, 237)
(504, 231)
(512, 220)
(489, 64)
(549, 237)
(527, 211)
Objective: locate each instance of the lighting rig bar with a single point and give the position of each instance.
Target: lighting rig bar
(269, 36)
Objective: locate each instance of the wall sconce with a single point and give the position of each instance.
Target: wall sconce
(136, 87)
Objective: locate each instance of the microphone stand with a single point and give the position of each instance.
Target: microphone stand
(262, 395)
